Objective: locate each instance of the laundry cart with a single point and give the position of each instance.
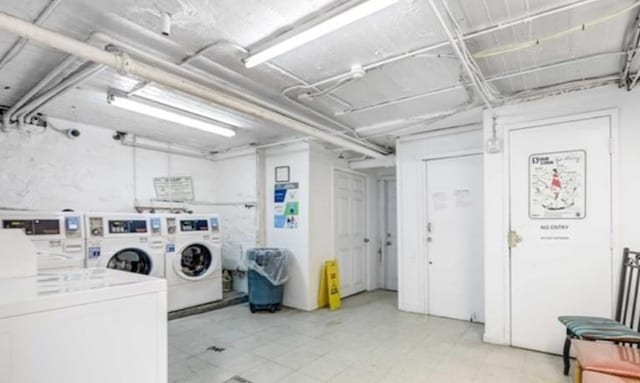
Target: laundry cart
(267, 276)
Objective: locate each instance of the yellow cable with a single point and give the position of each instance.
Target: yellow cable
(532, 43)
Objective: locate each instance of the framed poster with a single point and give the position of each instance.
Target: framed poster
(557, 185)
(282, 174)
(286, 206)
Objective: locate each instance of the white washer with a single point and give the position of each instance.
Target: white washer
(83, 325)
(58, 236)
(128, 242)
(193, 260)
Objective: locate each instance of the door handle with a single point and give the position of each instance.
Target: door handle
(514, 239)
(389, 243)
(366, 240)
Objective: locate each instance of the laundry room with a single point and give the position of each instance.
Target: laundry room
(388, 191)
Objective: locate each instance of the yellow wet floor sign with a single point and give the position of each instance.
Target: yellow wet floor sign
(333, 284)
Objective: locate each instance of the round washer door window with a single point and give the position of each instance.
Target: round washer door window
(195, 261)
(132, 260)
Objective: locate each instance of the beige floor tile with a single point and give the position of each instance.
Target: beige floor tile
(367, 340)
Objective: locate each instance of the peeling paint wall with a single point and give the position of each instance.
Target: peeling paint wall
(47, 171)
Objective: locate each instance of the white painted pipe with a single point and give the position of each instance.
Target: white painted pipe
(196, 77)
(19, 45)
(127, 66)
(490, 79)
(30, 109)
(454, 43)
(482, 32)
(7, 117)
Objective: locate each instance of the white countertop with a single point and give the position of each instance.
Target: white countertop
(56, 289)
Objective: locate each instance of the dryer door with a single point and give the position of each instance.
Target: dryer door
(195, 261)
(132, 260)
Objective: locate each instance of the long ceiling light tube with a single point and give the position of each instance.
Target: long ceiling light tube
(164, 112)
(125, 65)
(206, 80)
(318, 30)
(478, 33)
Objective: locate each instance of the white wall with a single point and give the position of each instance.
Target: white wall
(412, 253)
(312, 242)
(96, 173)
(295, 240)
(497, 327)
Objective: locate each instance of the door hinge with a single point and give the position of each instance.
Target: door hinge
(513, 239)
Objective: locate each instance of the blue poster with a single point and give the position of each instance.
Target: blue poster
(286, 206)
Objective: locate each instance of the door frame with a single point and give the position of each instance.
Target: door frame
(381, 253)
(368, 262)
(425, 211)
(615, 258)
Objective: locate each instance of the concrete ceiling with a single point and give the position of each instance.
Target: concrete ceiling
(390, 97)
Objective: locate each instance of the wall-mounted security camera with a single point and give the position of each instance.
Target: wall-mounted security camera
(72, 133)
(119, 136)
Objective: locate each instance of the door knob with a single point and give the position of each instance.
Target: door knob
(514, 239)
(389, 243)
(366, 240)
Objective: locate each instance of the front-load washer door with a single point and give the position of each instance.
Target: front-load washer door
(132, 260)
(194, 261)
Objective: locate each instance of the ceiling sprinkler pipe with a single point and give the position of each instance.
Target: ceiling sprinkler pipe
(127, 66)
(482, 32)
(179, 69)
(8, 116)
(19, 45)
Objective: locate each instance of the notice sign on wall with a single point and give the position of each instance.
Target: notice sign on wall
(286, 206)
(174, 188)
(557, 187)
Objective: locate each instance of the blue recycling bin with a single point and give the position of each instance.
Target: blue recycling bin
(267, 277)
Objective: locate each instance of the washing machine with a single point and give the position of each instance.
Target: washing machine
(193, 260)
(128, 242)
(58, 236)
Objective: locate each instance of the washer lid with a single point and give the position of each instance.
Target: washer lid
(195, 261)
(132, 260)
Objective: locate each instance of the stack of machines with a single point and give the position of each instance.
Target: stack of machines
(184, 249)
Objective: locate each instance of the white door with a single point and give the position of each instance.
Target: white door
(389, 240)
(455, 238)
(560, 181)
(350, 240)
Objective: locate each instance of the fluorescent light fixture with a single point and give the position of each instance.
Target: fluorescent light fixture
(167, 113)
(318, 30)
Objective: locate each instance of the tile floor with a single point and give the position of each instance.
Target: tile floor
(368, 340)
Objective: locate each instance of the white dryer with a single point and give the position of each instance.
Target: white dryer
(58, 236)
(128, 242)
(193, 260)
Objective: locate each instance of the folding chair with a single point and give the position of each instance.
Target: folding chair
(624, 329)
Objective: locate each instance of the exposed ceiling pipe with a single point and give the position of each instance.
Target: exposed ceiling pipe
(128, 66)
(492, 52)
(65, 64)
(503, 76)
(85, 72)
(465, 64)
(472, 35)
(200, 53)
(632, 47)
(19, 45)
(220, 84)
